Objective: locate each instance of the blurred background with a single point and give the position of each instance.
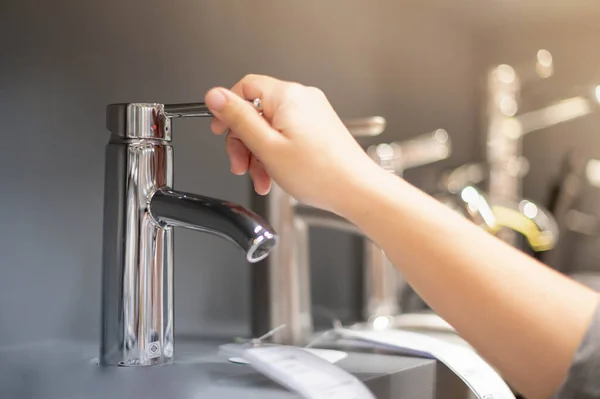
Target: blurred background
(422, 65)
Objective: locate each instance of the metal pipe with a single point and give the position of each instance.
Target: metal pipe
(215, 216)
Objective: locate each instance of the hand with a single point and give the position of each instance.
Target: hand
(299, 141)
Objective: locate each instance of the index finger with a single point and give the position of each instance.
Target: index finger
(258, 86)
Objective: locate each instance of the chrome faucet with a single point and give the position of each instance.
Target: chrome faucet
(140, 210)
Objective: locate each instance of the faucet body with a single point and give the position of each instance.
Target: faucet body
(140, 210)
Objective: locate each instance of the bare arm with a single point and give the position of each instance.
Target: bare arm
(524, 318)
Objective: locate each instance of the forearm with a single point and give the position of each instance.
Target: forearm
(523, 317)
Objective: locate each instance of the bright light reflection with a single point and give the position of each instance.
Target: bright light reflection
(508, 106)
(441, 136)
(530, 210)
(544, 58)
(592, 172)
(469, 195)
(544, 66)
(506, 74)
(381, 323)
(384, 151)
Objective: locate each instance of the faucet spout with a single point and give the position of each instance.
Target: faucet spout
(223, 218)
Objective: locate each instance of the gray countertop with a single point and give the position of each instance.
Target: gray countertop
(60, 370)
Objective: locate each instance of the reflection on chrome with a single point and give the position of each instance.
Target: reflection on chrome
(396, 157)
(140, 211)
(366, 127)
(545, 65)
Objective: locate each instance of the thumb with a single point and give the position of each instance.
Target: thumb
(241, 117)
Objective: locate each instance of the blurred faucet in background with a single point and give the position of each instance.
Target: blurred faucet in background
(281, 284)
(506, 128)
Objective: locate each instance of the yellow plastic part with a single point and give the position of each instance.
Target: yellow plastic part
(513, 219)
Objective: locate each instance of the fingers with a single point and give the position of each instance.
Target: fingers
(217, 127)
(239, 155)
(253, 137)
(249, 88)
(241, 117)
(255, 86)
(259, 86)
(242, 160)
(260, 177)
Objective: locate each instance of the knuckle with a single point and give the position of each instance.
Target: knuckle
(252, 78)
(241, 116)
(235, 116)
(315, 91)
(292, 90)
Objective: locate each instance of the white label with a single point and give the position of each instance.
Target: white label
(331, 356)
(153, 350)
(305, 373)
(479, 376)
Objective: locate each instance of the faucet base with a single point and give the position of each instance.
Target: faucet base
(140, 362)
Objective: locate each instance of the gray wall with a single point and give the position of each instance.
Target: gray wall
(63, 61)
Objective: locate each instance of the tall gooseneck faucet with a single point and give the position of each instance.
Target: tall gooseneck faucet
(140, 210)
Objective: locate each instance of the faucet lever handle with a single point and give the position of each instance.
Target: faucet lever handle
(197, 109)
(187, 110)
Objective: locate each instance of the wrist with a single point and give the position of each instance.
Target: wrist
(368, 191)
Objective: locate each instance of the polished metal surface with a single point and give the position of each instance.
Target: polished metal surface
(315, 217)
(223, 218)
(382, 284)
(422, 150)
(187, 110)
(138, 121)
(504, 144)
(140, 210)
(456, 179)
(359, 127)
(366, 127)
(137, 308)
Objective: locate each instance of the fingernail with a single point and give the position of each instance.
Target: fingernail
(237, 173)
(215, 99)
